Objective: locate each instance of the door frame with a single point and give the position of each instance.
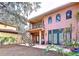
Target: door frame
(57, 31)
(48, 37)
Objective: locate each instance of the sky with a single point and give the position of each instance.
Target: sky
(46, 6)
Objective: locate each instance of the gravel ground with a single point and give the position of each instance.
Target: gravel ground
(19, 50)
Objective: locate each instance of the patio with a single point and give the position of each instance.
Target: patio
(21, 50)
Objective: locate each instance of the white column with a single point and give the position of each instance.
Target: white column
(40, 37)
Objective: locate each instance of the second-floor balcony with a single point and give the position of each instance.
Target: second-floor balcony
(36, 26)
(36, 23)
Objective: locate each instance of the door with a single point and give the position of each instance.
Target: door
(55, 38)
(61, 40)
(58, 36)
(50, 37)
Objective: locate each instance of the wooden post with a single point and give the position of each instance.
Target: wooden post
(40, 37)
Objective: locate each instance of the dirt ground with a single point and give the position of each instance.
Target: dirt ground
(19, 50)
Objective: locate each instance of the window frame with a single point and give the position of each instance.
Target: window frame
(70, 12)
(58, 15)
(49, 20)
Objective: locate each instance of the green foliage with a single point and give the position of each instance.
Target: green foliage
(77, 15)
(7, 40)
(16, 14)
(54, 48)
(12, 39)
(49, 47)
(71, 54)
(73, 44)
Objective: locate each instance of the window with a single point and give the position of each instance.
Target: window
(68, 37)
(49, 20)
(68, 34)
(58, 17)
(68, 14)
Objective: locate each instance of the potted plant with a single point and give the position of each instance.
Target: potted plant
(75, 47)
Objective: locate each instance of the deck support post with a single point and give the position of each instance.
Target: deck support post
(40, 37)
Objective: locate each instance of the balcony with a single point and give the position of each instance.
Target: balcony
(35, 26)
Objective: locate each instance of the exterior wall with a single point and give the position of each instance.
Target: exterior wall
(6, 27)
(5, 34)
(63, 23)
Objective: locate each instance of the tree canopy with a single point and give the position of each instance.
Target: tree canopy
(16, 13)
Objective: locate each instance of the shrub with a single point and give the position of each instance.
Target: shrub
(8, 40)
(71, 54)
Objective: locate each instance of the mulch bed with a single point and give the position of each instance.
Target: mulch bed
(19, 50)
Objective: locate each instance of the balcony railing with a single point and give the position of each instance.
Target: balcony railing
(36, 26)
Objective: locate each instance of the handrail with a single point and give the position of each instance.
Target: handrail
(36, 26)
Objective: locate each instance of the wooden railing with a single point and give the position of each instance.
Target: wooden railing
(36, 26)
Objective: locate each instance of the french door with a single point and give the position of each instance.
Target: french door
(55, 36)
(50, 37)
(58, 36)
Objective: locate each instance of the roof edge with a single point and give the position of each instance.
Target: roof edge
(54, 10)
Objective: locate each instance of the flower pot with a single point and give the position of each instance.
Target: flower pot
(75, 50)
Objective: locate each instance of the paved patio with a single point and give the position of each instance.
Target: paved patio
(21, 50)
(36, 46)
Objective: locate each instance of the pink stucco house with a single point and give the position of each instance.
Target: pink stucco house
(55, 25)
